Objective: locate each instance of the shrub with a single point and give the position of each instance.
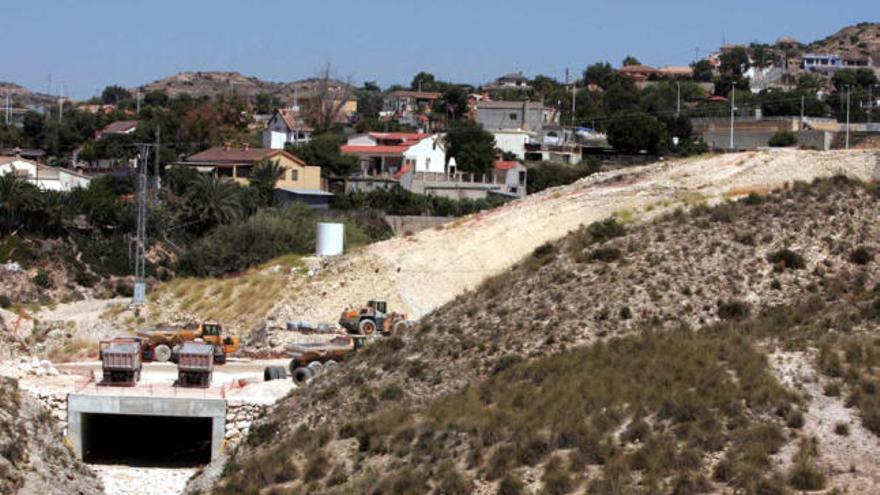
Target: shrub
(510, 485)
(317, 465)
(787, 259)
(625, 313)
(794, 419)
(783, 138)
(547, 174)
(85, 279)
(606, 254)
(733, 310)
(43, 280)
(841, 429)
(556, 479)
(4, 301)
(803, 474)
(604, 230)
(505, 362)
(861, 256)
(391, 392)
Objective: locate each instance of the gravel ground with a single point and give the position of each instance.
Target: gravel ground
(127, 480)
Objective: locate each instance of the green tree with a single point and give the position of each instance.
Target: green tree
(266, 103)
(703, 71)
(633, 132)
(454, 102)
(424, 81)
(323, 151)
(734, 61)
(369, 99)
(472, 147)
(598, 73)
(861, 78)
(630, 60)
(263, 178)
(19, 200)
(211, 201)
(115, 94)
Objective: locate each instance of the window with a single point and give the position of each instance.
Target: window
(294, 175)
(224, 171)
(513, 116)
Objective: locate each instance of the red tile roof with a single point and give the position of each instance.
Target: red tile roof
(220, 154)
(378, 150)
(421, 95)
(403, 136)
(403, 171)
(506, 165)
(119, 127)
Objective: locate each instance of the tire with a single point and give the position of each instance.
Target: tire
(175, 353)
(399, 326)
(317, 367)
(162, 353)
(329, 365)
(366, 327)
(302, 375)
(292, 366)
(273, 373)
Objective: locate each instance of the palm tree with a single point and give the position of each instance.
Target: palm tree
(19, 200)
(264, 177)
(211, 201)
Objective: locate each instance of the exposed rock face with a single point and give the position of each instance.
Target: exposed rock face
(33, 456)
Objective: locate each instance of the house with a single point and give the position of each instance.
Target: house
(676, 72)
(390, 153)
(408, 106)
(287, 125)
(44, 177)
(639, 72)
(121, 127)
(513, 176)
(823, 63)
(298, 182)
(513, 141)
(522, 115)
(514, 80)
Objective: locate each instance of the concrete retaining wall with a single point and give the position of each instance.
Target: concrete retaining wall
(410, 224)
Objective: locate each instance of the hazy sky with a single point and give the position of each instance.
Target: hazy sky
(88, 44)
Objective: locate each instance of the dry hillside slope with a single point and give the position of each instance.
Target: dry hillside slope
(731, 347)
(419, 273)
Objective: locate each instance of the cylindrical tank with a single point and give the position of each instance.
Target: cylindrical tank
(330, 239)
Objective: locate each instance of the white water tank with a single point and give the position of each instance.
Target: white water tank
(330, 239)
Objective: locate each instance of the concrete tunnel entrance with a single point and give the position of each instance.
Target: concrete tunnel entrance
(146, 441)
(145, 431)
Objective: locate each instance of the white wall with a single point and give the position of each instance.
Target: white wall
(429, 154)
(512, 142)
(48, 178)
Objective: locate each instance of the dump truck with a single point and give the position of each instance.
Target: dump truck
(308, 360)
(374, 316)
(195, 364)
(164, 344)
(120, 361)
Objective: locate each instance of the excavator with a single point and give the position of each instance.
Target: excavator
(164, 344)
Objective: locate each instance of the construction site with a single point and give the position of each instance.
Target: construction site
(175, 398)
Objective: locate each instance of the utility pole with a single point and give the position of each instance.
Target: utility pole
(138, 100)
(870, 104)
(802, 114)
(678, 100)
(732, 104)
(60, 104)
(140, 260)
(8, 118)
(156, 166)
(847, 115)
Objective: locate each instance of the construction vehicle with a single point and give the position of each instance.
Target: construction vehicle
(308, 360)
(164, 344)
(195, 365)
(374, 316)
(121, 362)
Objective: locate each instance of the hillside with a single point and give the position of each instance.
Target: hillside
(731, 347)
(19, 96)
(33, 458)
(421, 272)
(216, 83)
(858, 41)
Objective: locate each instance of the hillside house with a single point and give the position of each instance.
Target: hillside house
(514, 80)
(120, 127)
(521, 115)
(44, 177)
(299, 181)
(823, 63)
(389, 153)
(287, 125)
(408, 106)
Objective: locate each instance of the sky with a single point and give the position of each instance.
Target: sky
(86, 45)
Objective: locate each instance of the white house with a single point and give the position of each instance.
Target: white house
(513, 141)
(286, 126)
(42, 176)
(392, 153)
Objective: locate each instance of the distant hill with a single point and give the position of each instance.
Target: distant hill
(19, 96)
(858, 41)
(216, 83)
